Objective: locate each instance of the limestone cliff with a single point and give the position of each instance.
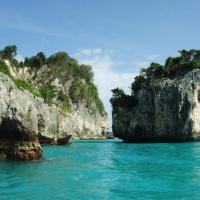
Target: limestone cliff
(166, 110)
(60, 115)
(46, 103)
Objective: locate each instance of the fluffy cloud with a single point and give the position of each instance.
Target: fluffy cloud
(146, 61)
(152, 57)
(105, 75)
(19, 57)
(88, 52)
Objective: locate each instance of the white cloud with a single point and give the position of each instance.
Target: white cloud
(141, 64)
(19, 57)
(152, 57)
(146, 62)
(88, 52)
(105, 75)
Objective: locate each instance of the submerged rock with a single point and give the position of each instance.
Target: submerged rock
(167, 111)
(64, 140)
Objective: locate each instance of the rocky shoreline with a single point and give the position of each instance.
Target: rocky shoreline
(18, 149)
(106, 135)
(55, 141)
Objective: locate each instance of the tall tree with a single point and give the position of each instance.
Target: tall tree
(9, 52)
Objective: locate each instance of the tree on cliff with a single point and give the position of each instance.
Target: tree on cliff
(9, 52)
(138, 82)
(154, 71)
(35, 61)
(63, 68)
(173, 67)
(120, 99)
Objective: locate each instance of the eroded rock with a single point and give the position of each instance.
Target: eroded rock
(24, 118)
(168, 110)
(20, 150)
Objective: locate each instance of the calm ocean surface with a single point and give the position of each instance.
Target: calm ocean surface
(105, 170)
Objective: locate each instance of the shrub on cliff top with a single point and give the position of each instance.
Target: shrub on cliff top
(121, 100)
(21, 84)
(35, 61)
(62, 67)
(9, 52)
(173, 67)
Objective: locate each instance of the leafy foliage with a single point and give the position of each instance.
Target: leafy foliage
(9, 52)
(174, 67)
(35, 61)
(93, 95)
(59, 66)
(21, 84)
(65, 100)
(4, 68)
(83, 91)
(138, 83)
(120, 99)
(48, 92)
(24, 85)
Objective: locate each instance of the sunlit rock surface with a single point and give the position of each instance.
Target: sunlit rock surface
(24, 118)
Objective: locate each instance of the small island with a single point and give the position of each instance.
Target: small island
(164, 105)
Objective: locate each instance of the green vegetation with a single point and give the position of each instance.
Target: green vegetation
(83, 91)
(9, 52)
(48, 92)
(121, 100)
(65, 68)
(35, 61)
(24, 85)
(94, 96)
(65, 100)
(21, 84)
(173, 67)
(4, 68)
(58, 66)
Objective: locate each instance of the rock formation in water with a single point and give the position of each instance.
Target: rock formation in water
(46, 103)
(164, 106)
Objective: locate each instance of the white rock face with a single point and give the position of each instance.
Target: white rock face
(23, 115)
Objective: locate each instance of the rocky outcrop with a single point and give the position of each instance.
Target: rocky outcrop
(81, 121)
(24, 118)
(109, 135)
(166, 110)
(20, 149)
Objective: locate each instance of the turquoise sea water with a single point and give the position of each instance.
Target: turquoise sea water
(105, 170)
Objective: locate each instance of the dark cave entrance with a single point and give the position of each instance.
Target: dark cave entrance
(138, 131)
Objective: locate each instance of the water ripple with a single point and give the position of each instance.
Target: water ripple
(106, 170)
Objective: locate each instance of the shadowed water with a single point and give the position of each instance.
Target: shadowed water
(106, 170)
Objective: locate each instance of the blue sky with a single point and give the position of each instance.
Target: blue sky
(116, 37)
